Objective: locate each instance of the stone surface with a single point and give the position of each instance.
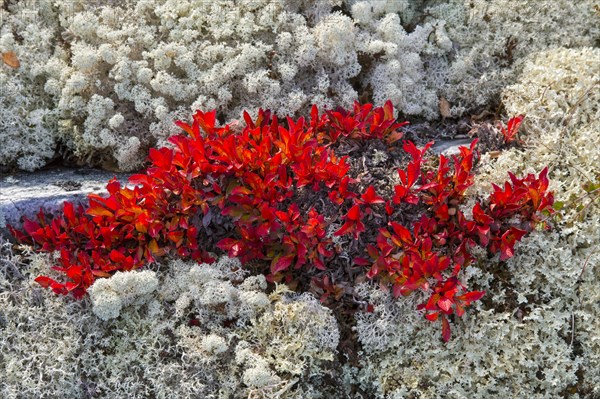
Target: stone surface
(23, 194)
(449, 147)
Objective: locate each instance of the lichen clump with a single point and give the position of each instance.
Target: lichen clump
(101, 83)
(200, 330)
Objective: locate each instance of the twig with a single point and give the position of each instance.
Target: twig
(582, 270)
(544, 93)
(583, 196)
(578, 281)
(567, 118)
(580, 213)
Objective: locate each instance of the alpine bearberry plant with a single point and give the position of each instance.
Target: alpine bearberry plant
(431, 257)
(254, 180)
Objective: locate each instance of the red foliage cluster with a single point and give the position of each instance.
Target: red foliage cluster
(248, 177)
(512, 128)
(363, 122)
(251, 178)
(442, 239)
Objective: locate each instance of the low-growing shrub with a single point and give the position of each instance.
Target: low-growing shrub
(239, 189)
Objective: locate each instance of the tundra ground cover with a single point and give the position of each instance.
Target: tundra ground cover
(221, 331)
(251, 178)
(375, 332)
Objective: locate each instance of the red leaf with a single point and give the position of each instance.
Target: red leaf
(370, 197)
(441, 213)
(98, 211)
(45, 281)
(432, 302)
(400, 192)
(402, 232)
(480, 216)
(53, 284)
(445, 304)
(432, 316)
(193, 130)
(206, 120)
(373, 271)
(161, 158)
(281, 263)
(346, 228)
(512, 128)
(446, 333)
(232, 246)
(398, 290)
(113, 186)
(140, 179)
(69, 212)
(354, 213)
(319, 264)
(17, 234)
(100, 273)
(412, 149)
(362, 262)
(116, 256)
(389, 209)
(509, 238)
(30, 227)
(395, 136)
(248, 120)
(471, 296)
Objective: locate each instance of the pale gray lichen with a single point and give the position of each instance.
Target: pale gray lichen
(153, 348)
(300, 333)
(123, 289)
(28, 115)
(211, 330)
(114, 76)
(492, 41)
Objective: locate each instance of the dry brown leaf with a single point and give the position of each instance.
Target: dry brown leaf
(444, 107)
(10, 59)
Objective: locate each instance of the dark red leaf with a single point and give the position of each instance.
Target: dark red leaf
(281, 263)
(471, 296)
(402, 232)
(369, 197)
(362, 262)
(446, 333)
(432, 316)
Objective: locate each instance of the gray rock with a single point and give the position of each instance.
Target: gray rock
(23, 194)
(449, 147)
